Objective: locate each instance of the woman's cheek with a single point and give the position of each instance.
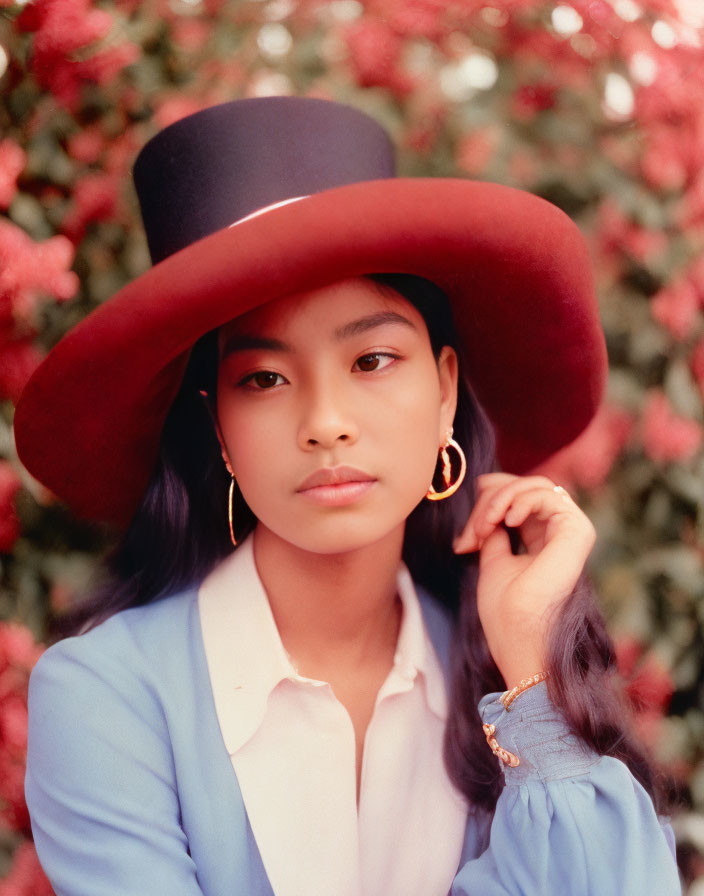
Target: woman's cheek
(413, 433)
(244, 438)
(253, 449)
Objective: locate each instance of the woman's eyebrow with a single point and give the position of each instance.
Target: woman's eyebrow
(378, 319)
(242, 342)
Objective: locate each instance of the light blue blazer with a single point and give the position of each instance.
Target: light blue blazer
(131, 791)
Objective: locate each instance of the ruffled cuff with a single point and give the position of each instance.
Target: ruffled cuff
(534, 731)
(569, 821)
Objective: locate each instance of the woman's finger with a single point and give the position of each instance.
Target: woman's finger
(488, 485)
(541, 503)
(487, 480)
(560, 563)
(496, 496)
(496, 545)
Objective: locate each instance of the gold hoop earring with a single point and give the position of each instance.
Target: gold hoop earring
(229, 511)
(450, 487)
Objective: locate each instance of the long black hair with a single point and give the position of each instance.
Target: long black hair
(180, 531)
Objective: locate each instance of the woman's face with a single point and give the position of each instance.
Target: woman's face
(341, 376)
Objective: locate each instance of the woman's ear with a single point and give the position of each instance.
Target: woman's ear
(223, 447)
(447, 374)
(218, 432)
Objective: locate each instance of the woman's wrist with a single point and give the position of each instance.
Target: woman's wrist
(521, 665)
(517, 642)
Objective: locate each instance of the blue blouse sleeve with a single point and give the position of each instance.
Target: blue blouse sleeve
(100, 785)
(568, 821)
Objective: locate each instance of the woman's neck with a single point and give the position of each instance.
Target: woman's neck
(332, 610)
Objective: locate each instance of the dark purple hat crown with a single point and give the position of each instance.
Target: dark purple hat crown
(214, 167)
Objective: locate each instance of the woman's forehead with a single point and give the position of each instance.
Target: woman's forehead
(324, 309)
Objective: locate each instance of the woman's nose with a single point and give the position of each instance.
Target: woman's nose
(326, 419)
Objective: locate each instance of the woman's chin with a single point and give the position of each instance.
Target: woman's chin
(335, 536)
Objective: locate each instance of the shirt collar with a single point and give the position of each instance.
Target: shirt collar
(247, 659)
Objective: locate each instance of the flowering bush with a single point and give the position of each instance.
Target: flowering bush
(588, 103)
(649, 687)
(18, 654)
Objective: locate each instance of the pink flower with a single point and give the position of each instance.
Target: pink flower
(61, 29)
(18, 654)
(225, 72)
(649, 687)
(13, 725)
(18, 649)
(29, 269)
(676, 307)
(665, 435)
(624, 154)
(18, 361)
(670, 99)
(87, 145)
(65, 25)
(61, 597)
(25, 877)
(697, 363)
(691, 209)
(418, 18)
(662, 163)
(652, 686)
(13, 809)
(95, 198)
(524, 44)
(374, 51)
(168, 11)
(174, 108)
(103, 67)
(617, 234)
(9, 524)
(120, 154)
(586, 462)
(423, 131)
(524, 167)
(530, 99)
(12, 162)
(190, 35)
(475, 150)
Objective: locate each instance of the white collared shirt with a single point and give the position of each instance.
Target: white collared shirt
(292, 746)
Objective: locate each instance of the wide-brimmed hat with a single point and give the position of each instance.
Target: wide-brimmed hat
(256, 199)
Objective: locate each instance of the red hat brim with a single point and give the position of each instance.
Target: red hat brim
(516, 270)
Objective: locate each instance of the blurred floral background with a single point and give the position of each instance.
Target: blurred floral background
(596, 105)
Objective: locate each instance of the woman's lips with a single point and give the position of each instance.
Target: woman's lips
(335, 486)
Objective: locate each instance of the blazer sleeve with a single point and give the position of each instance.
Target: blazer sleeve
(100, 783)
(568, 821)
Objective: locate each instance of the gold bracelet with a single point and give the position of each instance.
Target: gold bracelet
(508, 697)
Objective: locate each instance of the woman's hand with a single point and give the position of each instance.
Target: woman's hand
(517, 593)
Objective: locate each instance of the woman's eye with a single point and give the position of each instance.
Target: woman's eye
(375, 361)
(262, 380)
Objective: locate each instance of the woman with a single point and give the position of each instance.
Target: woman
(261, 701)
